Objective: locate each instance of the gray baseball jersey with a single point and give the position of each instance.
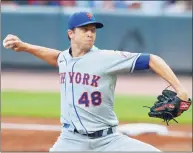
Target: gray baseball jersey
(87, 87)
(87, 99)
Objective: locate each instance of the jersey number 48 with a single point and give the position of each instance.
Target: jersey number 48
(95, 99)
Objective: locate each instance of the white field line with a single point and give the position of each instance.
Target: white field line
(38, 127)
(42, 127)
(180, 134)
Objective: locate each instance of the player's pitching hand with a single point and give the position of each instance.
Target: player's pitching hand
(14, 43)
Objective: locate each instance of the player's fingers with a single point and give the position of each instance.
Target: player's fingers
(10, 37)
(7, 39)
(10, 44)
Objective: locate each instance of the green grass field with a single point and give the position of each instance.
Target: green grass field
(127, 108)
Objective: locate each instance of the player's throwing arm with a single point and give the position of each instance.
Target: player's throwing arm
(47, 54)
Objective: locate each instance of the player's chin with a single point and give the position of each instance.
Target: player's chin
(89, 45)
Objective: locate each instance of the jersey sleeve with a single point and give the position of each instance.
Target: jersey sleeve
(124, 62)
(60, 58)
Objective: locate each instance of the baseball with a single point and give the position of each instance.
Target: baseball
(10, 46)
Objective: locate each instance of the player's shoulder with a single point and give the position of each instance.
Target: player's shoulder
(106, 51)
(102, 53)
(116, 53)
(66, 51)
(62, 54)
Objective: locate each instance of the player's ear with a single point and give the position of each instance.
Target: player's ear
(69, 38)
(70, 34)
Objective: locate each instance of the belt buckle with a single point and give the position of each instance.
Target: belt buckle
(97, 134)
(93, 135)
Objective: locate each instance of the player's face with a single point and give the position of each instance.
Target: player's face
(85, 36)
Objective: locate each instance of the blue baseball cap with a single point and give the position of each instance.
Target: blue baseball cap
(82, 18)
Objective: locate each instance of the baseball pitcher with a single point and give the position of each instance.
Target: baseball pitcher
(87, 83)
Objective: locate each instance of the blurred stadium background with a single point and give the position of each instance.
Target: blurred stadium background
(159, 27)
(30, 87)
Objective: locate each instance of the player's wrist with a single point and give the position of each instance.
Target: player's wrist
(26, 46)
(182, 94)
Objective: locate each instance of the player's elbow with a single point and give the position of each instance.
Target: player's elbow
(52, 61)
(146, 61)
(54, 64)
(155, 60)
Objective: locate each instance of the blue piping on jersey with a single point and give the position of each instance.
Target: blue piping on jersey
(58, 55)
(65, 60)
(133, 64)
(73, 101)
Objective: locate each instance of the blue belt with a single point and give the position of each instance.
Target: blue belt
(94, 135)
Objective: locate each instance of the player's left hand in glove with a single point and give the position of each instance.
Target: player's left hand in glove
(168, 106)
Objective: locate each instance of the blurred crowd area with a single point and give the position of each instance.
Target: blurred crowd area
(174, 6)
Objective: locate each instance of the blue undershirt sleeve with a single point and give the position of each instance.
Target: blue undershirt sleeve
(142, 62)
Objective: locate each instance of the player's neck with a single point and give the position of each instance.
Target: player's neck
(77, 52)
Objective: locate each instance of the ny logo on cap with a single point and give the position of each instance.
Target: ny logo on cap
(89, 15)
